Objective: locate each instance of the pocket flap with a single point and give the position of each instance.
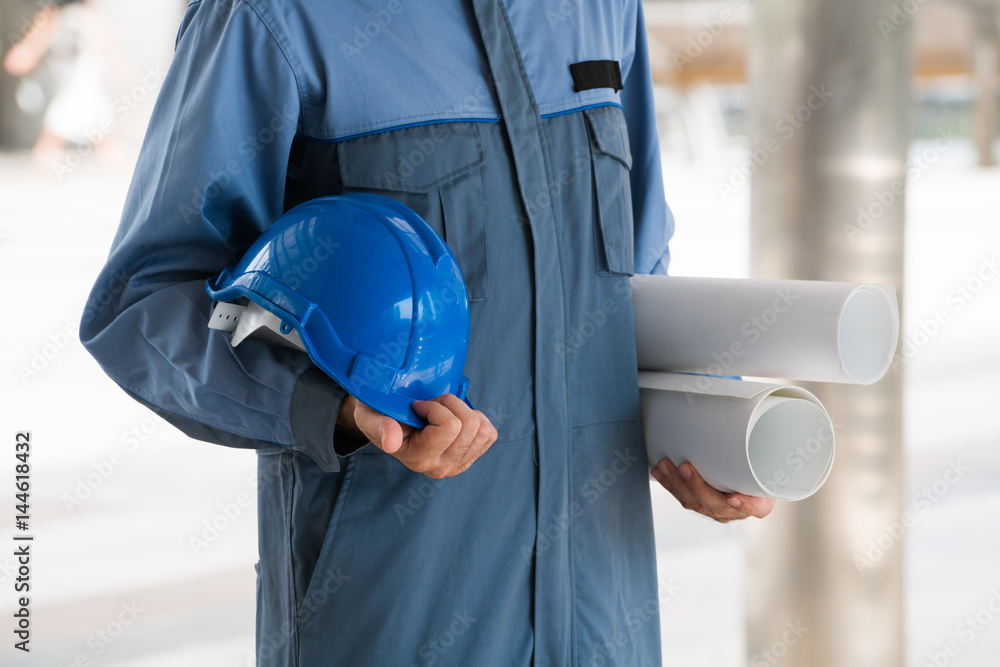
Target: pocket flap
(415, 159)
(609, 132)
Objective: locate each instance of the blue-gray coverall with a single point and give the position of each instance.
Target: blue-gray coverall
(545, 181)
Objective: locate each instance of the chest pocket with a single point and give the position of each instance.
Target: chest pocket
(611, 160)
(436, 170)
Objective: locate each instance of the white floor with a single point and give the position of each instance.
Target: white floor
(127, 545)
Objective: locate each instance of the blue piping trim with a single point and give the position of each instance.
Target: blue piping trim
(337, 140)
(589, 106)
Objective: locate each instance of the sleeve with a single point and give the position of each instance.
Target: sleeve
(654, 223)
(210, 178)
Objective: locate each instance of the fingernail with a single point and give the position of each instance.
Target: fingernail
(657, 475)
(735, 503)
(686, 471)
(663, 468)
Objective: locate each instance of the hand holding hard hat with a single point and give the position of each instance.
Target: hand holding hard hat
(455, 435)
(375, 297)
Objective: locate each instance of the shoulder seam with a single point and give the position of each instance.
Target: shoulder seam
(284, 53)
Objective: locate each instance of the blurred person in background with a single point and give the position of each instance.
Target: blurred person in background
(71, 38)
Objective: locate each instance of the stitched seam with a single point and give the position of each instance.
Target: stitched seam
(355, 131)
(569, 469)
(293, 634)
(603, 423)
(284, 54)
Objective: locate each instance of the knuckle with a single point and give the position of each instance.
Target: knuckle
(484, 438)
(453, 426)
(419, 466)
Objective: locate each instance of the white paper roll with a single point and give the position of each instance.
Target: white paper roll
(754, 438)
(795, 329)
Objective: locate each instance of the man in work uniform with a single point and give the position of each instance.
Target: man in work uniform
(524, 133)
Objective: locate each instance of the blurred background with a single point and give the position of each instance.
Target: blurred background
(788, 130)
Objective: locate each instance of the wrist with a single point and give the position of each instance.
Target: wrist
(345, 418)
(348, 438)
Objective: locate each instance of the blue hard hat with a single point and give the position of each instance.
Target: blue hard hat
(375, 295)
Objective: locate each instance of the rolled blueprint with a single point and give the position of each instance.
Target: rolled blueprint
(796, 329)
(755, 438)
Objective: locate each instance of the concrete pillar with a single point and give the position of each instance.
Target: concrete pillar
(830, 124)
(985, 61)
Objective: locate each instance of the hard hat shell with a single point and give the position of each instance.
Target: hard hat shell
(374, 293)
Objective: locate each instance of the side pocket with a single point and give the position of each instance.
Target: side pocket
(611, 161)
(326, 576)
(436, 170)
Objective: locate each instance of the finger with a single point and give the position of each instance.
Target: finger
(751, 505)
(443, 426)
(430, 449)
(484, 439)
(672, 482)
(470, 442)
(459, 407)
(713, 500)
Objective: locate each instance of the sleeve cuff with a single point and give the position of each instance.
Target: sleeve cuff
(316, 402)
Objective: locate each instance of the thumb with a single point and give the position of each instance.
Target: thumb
(384, 432)
(390, 435)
